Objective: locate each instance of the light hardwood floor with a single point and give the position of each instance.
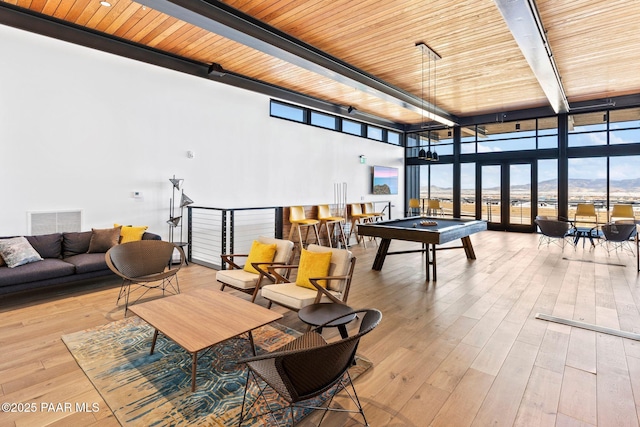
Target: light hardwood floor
(464, 351)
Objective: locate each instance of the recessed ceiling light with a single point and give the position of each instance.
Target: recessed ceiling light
(105, 3)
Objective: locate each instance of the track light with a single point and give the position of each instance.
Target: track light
(216, 70)
(351, 109)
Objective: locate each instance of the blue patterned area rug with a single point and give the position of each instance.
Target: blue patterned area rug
(155, 390)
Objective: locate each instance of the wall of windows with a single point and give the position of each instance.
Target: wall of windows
(304, 115)
(624, 126)
(589, 157)
(603, 160)
(510, 136)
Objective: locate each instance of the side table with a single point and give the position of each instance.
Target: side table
(182, 245)
(318, 314)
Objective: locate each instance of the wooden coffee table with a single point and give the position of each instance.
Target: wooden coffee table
(199, 319)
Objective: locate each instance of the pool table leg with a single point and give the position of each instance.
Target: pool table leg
(468, 247)
(431, 261)
(381, 254)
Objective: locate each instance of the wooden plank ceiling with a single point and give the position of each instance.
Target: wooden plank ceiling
(482, 70)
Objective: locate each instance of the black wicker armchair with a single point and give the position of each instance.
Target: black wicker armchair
(304, 369)
(146, 263)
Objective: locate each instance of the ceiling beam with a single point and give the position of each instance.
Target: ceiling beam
(218, 18)
(525, 24)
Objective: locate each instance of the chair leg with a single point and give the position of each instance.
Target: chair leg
(300, 237)
(292, 230)
(244, 398)
(329, 232)
(315, 230)
(342, 235)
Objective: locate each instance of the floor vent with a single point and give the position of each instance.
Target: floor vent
(54, 222)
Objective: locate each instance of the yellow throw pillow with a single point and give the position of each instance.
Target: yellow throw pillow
(313, 264)
(260, 252)
(130, 233)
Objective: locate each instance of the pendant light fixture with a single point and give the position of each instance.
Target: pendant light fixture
(432, 57)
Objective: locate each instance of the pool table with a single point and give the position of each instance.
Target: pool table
(439, 231)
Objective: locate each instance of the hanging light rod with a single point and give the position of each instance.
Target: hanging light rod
(429, 110)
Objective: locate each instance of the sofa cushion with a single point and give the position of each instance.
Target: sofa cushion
(18, 251)
(292, 295)
(86, 263)
(41, 270)
(47, 245)
(103, 239)
(74, 243)
(150, 236)
(237, 278)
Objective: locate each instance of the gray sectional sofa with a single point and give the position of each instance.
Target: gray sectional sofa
(65, 259)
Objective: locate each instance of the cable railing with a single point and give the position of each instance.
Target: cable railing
(212, 231)
(216, 231)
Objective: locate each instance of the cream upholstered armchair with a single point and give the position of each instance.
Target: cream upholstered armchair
(264, 251)
(320, 269)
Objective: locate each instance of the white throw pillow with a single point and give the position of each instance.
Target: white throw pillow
(18, 251)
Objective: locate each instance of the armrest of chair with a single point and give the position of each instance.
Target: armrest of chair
(280, 278)
(323, 292)
(260, 268)
(306, 341)
(228, 258)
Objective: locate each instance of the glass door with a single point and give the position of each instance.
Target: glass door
(491, 191)
(520, 194)
(507, 196)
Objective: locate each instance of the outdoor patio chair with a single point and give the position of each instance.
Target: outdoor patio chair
(434, 208)
(622, 212)
(414, 207)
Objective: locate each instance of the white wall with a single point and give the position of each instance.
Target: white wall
(82, 129)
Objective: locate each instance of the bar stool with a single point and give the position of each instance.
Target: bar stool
(375, 216)
(326, 219)
(358, 217)
(413, 205)
(298, 219)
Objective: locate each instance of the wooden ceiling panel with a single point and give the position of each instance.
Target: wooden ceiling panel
(592, 46)
(482, 69)
(366, 43)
